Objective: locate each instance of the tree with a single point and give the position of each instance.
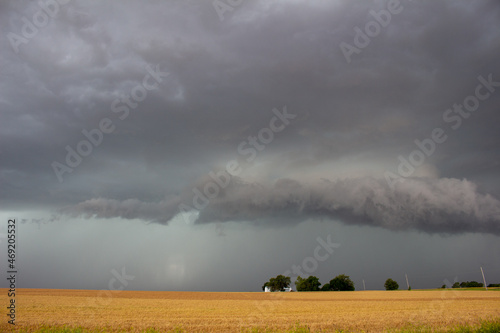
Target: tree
(310, 284)
(474, 284)
(443, 286)
(456, 285)
(471, 284)
(341, 282)
(390, 284)
(278, 283)
(326, 287)
(299, 283)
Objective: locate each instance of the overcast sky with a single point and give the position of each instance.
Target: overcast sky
(211, 145)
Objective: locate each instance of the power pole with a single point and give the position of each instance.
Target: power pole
(364, 287)
(483, 278)
(407, 284)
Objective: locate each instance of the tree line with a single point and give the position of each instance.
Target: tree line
(471, 284)
(341, 282)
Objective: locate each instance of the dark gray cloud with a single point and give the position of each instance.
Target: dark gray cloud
(354, 120)
(431, 205)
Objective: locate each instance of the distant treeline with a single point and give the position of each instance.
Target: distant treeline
(471, 284)
(341, 282)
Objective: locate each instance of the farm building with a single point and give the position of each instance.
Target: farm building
(268, 290)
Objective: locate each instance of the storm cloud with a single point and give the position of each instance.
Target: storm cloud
(217, 80)
(431, 205)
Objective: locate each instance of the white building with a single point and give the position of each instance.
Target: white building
(268, 290)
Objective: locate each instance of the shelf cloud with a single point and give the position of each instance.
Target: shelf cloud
(431, 205)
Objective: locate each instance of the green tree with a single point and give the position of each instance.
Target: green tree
(278, 283)
(474, 284)
(471, 284)
(443, 286)
(300, 283)
(310, 284)
(341, 282)
(326, 287)
(468, 284)
(390, 284)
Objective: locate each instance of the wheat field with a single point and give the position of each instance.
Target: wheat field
(136, 311)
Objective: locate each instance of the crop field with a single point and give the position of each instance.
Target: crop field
(137, 311)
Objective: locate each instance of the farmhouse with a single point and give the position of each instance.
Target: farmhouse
(268, 290)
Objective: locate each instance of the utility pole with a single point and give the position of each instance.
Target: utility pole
(407, 284)
(364, 287)
(483, 278)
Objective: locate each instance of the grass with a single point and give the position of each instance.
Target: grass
(486, 326)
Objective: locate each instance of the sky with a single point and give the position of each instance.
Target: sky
(212, 145)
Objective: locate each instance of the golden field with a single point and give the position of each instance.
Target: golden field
(135, 311)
